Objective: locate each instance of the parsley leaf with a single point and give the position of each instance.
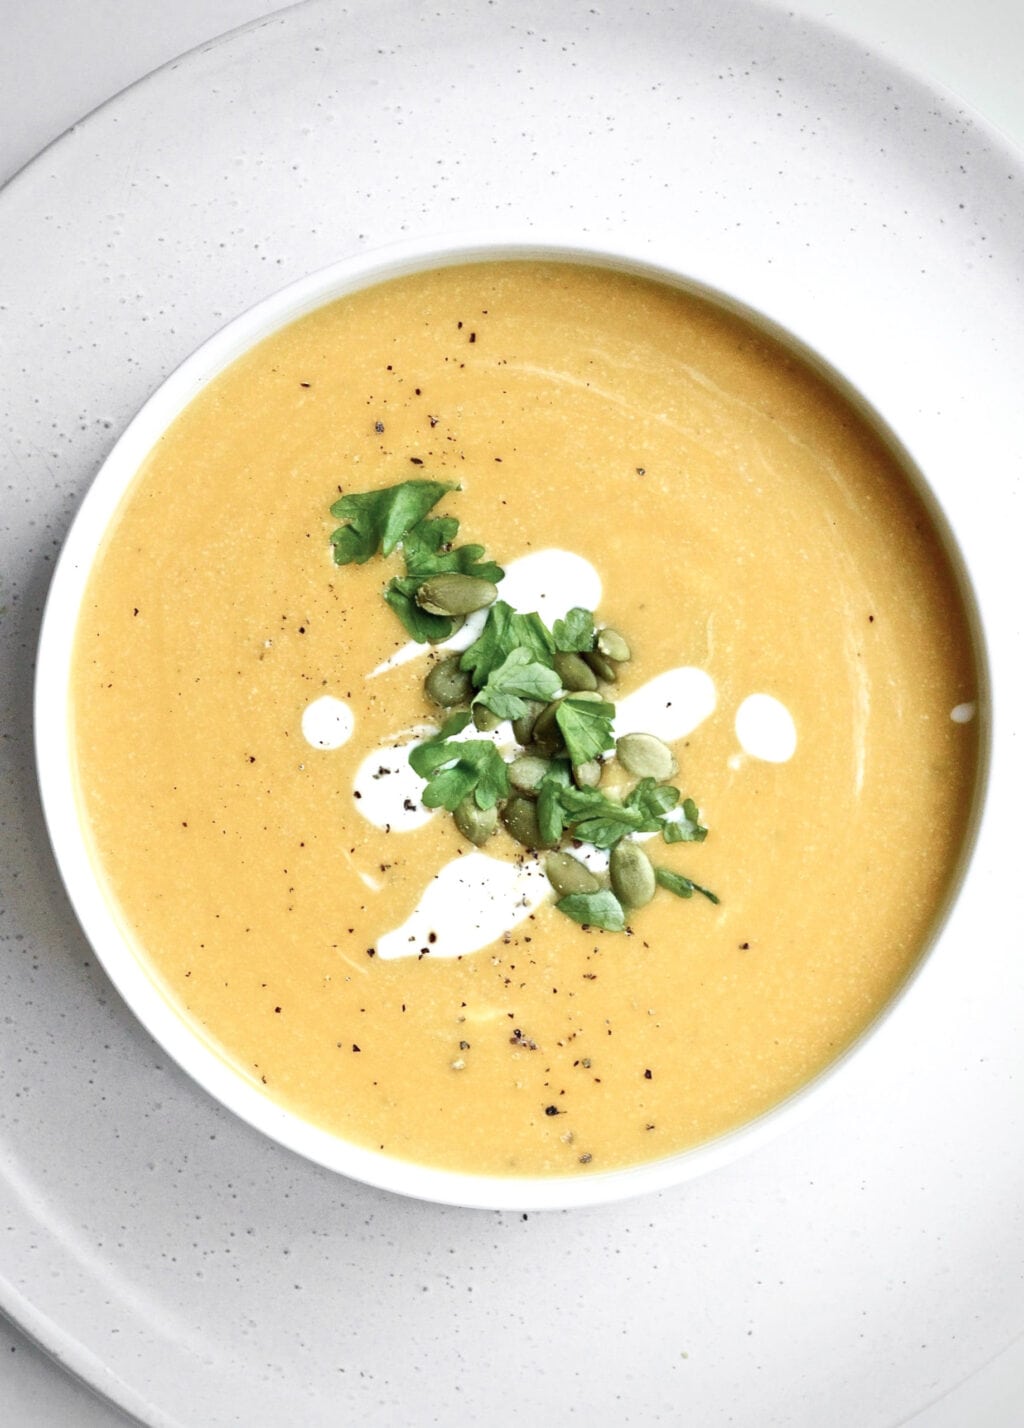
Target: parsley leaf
(550, 812)
(455, 768)
(653, 801)
(684, 825)
(517, 679)
(428, 551)
(594, 909)
(422, 543)
(421, 624)
(574, 634)
(433, 752)
(595, 818)
(505, 630)
(378, 520)
(682, 887)
(586, 727)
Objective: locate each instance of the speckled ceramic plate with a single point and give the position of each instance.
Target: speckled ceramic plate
(195, 1273)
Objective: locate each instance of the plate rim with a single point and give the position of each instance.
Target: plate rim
(996, 138)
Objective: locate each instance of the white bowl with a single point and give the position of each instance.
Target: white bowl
(56, 774)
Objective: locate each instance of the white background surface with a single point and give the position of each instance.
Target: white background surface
(60, 58)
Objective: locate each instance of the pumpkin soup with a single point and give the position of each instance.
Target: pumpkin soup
(391, 901)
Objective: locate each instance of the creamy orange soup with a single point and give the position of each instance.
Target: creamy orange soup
(744, 520)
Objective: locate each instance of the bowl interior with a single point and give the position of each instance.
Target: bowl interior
(101, 919)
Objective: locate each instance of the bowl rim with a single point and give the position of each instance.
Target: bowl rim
(95, 910)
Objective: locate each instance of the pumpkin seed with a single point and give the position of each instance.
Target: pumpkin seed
(546, 734)
(587, 775)
(644, 756)
(448, 685)
(520, 818)
(476, 824)
(567, 875)
(454, 594)
(602, 666)
(526, 772)
(632, 874)
(613, 645)
(574, 672)
(485, 719)
(523, 726)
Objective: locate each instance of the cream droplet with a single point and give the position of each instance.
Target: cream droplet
(328, 722)
(765, 729)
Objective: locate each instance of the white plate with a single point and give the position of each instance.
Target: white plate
(847, 1274)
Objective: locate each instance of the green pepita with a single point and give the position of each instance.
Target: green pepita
(448, 685)
(523, 726)
(602, 666)
(454, 594)
(476, 824)
(645, 756)
(587, 775)
(574, 672)
(520, 818)
(568, 875)
(546, 734)
(613, 645)
(485, 719)
(526, 772)
(632, 874)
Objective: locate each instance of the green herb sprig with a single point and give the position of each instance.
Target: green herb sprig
(514, 671)
(457, 769)
(380, 522)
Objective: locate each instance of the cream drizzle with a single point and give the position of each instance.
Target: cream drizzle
(387, 789)
(491, 897)
(669, 706)
(475, 898)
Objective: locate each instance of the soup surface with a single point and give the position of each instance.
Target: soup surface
(733, 515)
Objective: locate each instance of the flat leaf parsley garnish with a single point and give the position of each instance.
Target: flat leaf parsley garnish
(457, 769)
(381, 522)
(586, 728)
(519, 680)
(377, 521)
(575, 634)
(684, 826)
(595, 818)
(682, 887)
(551, 685)
(594, 909)
(506, 630)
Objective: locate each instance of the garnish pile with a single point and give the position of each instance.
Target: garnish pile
(549, 684)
